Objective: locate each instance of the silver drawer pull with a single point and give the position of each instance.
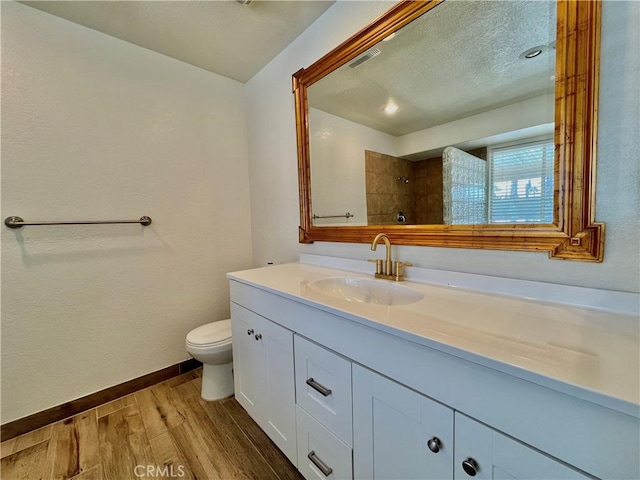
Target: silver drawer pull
(320, 388)
(326, 471)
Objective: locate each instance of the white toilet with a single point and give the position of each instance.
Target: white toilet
(211, 345)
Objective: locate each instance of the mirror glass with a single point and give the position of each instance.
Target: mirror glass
(449, 120)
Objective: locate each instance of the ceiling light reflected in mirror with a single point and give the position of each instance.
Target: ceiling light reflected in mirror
(390, 108)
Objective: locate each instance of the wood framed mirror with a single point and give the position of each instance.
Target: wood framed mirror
(570, 231)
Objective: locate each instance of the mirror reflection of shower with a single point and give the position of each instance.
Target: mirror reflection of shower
(404, 192)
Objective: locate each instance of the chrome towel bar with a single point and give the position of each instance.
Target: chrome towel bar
(17, 222)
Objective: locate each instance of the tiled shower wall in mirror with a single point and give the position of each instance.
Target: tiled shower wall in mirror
(412, 188)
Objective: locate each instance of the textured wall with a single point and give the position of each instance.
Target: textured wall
(273, 164)
(96, 128)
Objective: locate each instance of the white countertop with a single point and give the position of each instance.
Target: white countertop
(590, 353)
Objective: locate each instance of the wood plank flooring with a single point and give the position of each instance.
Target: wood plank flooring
(165, 431)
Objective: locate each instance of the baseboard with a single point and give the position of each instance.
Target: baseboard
(68, 409)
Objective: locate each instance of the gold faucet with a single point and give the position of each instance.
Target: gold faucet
(386, 270)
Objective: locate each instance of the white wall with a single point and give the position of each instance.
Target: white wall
(337, 148)
(526, 119)
(273, 164)
(96, 128)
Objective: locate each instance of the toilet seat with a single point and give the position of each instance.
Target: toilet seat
(210, 334)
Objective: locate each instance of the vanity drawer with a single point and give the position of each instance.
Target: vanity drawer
(321, 454)
(323, 387)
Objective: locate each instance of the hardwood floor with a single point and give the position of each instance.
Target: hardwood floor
(165, 431)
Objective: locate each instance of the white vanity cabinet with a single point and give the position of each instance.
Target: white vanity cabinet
(263, 375)
(419, 408)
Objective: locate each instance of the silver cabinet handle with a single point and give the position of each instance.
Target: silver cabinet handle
(258, 336)
(326, 470)
(434, 444)
(318, 387)
(470, 466)
(250, 331)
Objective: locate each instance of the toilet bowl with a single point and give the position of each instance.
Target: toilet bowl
(211, 345)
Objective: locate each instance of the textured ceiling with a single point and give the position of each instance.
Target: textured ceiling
(457, 60)
(224, 37)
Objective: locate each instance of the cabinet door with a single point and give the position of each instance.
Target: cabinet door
(245, 359)
(398, 433)
(484, 453)
(263, 375)
(276, 377)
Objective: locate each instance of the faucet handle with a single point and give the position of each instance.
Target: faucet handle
(399, 269)
(378, 263)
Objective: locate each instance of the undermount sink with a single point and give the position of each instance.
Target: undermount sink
(365, 290)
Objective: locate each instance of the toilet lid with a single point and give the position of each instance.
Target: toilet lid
(210, 333)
